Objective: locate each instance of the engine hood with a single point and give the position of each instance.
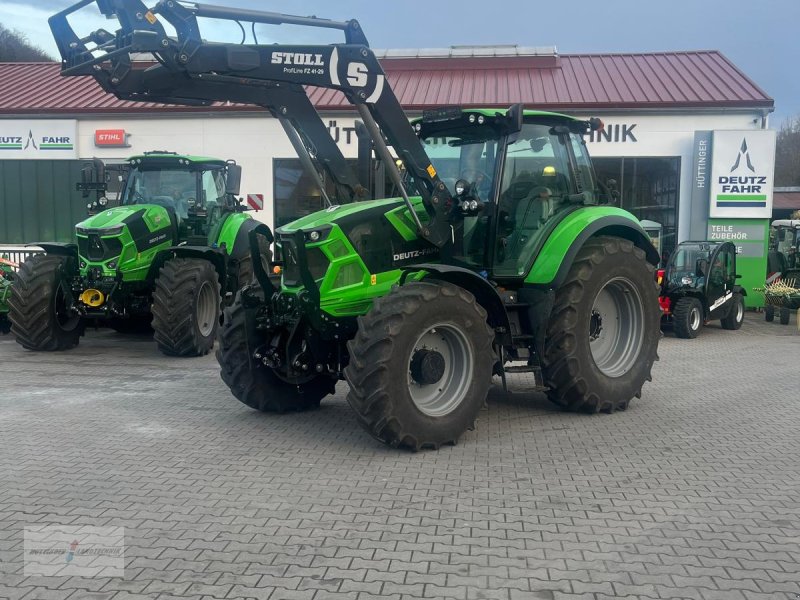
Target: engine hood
(155, 216)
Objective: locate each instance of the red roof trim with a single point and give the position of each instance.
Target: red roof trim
(702, 79)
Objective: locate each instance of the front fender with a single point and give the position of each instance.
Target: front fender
(562, 246)
(215, 256)
(485, 293)
(57, 248)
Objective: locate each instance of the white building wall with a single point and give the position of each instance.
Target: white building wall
(254, 141)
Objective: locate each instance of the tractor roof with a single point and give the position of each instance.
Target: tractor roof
(172, 160)
(491, 112)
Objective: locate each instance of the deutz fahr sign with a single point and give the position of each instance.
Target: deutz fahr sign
(41, 138)
(742, 174)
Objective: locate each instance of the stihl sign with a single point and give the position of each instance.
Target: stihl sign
(255, 201)
(114, 138)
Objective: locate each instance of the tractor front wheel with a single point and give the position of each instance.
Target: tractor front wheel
(735, 317)
(785, 315)
(39, 307)
(186, 307)
(687, 318)
(253, 383)
(603, 333)
(420, 365)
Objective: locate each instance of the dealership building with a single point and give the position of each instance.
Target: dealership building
(686, 136)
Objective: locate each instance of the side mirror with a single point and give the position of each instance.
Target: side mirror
(514, 115)
(86, 177)
(233, 178)
(738, 276)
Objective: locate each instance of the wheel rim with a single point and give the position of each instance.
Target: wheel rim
(739, 312)
(65, 321)
(616, 327)
(206, 309)
(694, 319)
(448, 350)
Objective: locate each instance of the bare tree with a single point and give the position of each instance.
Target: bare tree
(787, 153)
(15, 47)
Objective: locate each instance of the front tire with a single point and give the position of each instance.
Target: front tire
(687, 317)
(769, 313)
(420, 365)
(186, 307)
(39, 305)
(735, 317)
(252, 383)
(603, 333)
(785, 315)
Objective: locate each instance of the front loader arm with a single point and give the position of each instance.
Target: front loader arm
(193, 71)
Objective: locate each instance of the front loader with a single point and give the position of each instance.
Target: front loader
(170, 253)
(501, 254)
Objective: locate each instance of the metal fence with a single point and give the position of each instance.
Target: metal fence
(18, 254)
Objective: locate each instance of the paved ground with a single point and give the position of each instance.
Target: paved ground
(694, 492)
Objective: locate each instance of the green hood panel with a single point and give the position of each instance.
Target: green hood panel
(335, 213)
(155, 217)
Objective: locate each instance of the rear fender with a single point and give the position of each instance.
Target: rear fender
(562, 246)
(485, 293)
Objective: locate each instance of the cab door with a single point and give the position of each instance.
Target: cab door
(721, 279)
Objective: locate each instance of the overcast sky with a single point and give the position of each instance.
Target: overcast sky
(760, 36)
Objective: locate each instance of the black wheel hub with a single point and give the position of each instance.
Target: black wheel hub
(427, 366)
(595, 325)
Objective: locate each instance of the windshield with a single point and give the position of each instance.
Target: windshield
(175, 189)
(535, 187)
(688, 265)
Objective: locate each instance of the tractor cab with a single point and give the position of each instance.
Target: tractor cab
(699, 285)
(514, 176)
(194, 190)
(783, 259)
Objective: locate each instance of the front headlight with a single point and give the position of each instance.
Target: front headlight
(102, 201)
(686, 280)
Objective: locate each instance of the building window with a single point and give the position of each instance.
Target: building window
(649, 188)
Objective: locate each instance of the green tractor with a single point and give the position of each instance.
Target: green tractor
(501, 253)
(173, 251)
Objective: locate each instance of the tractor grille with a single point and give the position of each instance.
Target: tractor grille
(98, 249)
(317, 263)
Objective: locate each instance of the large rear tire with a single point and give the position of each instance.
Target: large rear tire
(687, 318)
(186, 307)
(252, 383)
(735, 317)
(603, 333)
(38, 307)
(420, 365)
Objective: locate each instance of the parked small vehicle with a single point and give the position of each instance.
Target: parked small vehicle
(699, 285)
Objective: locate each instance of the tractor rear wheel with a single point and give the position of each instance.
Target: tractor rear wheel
(186, 307)
(687, 317)
(603, 333)
(39, 305)
(735, 317)
(769, 313)
(253, 383)
(785, 315)
(420, 365)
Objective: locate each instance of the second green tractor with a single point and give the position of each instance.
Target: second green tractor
(169, 255)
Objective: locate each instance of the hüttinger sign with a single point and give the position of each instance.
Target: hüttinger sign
(742, 172)
(44, 139)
